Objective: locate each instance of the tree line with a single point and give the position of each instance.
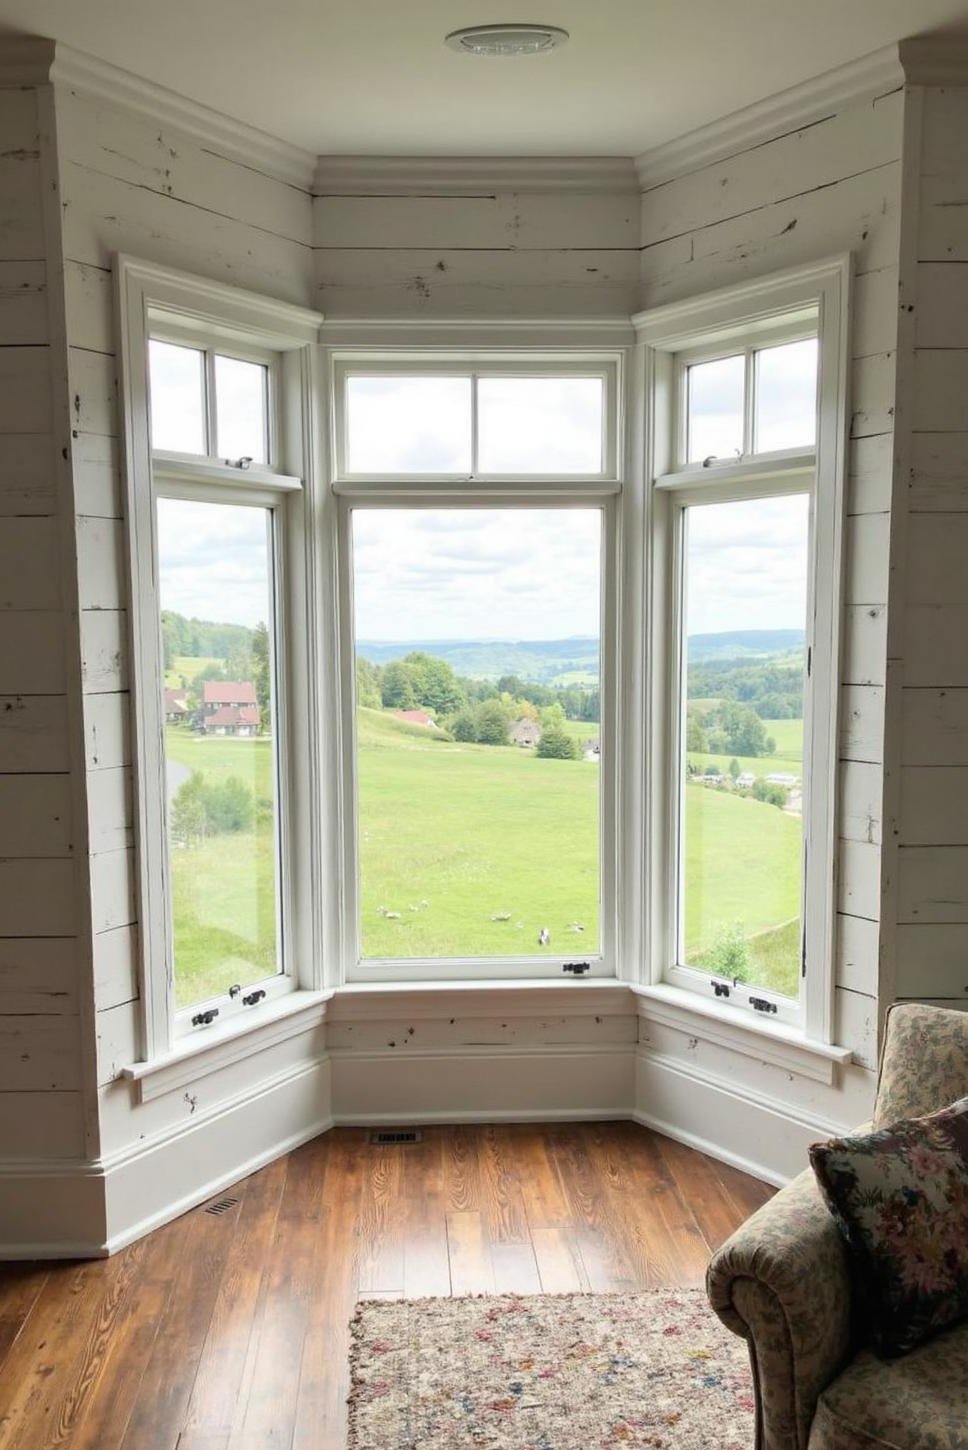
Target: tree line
(423, 681)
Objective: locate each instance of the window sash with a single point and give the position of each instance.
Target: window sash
(524, 365)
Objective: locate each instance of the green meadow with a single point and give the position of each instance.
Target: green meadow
(472, 850)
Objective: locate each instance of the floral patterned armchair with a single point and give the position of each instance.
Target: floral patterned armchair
(782, 1282)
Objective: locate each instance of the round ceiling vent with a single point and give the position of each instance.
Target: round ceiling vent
(498, 41)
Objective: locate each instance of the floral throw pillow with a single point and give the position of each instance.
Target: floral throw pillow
(900, 1198)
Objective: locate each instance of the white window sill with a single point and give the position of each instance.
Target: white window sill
(732, 1027)
(217, 1047)
(509, 997)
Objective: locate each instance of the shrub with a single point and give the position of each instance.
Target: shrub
(729, 955)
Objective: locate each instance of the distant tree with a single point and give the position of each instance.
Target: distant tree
(729, 955)
(230, 805)
(491, 720)
(555, 742)
(396, 687)
(743, 731)
(770, 792)
(695, 734)
(368, 684)
(189, 816)
(434, 684)
(733, 767)
(463, 727)
(262, 675)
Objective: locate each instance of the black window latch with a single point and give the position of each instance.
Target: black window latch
(253, 997)
(720, 988)
(761, 1004)
(578, 969)
(206, 1018)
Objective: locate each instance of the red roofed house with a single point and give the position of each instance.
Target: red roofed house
(416, 717)
(176, 706)
(229, 707)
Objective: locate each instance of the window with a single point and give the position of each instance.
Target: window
(481, 777)
(747, 463)
(219, 564)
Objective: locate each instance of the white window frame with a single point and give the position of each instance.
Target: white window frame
(759, 313)
(600, 491)
(155, 301)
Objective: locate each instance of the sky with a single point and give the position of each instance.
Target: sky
(213, 561)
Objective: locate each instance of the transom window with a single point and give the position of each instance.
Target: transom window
(749, 402)
(209, 403)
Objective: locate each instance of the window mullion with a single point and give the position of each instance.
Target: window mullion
(211, 420)
(749, 404)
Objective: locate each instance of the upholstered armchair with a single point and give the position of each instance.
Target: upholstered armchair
(782, 1282)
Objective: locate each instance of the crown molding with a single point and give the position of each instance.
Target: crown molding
(472, 175)
(789, 110)
(25, 60)
(935, 61)
(231, 138)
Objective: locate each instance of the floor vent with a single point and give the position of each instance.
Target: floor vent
(383, 1136)
(222, 1205)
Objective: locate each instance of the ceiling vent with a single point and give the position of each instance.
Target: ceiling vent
(503, 41)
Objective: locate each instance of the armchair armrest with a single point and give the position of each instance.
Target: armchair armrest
(782, 1283)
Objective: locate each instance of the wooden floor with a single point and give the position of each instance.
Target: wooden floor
(228, 1331)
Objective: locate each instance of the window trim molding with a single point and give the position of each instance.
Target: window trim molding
(218, 312)
(663, 333)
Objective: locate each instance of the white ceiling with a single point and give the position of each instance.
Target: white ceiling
(373, 76)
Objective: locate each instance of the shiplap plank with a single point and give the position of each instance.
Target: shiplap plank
(859, 879)
(875, 305)
(868, 540)
(115, 967)
(19, 124)
(872, 395)
(23, 303)
(862, 722)
(933, 805)
(101, 581)
(89, 302)
(104, 215)
(855, 1024)
(507, 221)
(112, 890)
(860, 214)
(35, 815)
(865, 644)
(933, 884)
(38, 974)
(940, 389)
(107, 731)
(939, 473)
(858, 946)
(934, 727)
(855, 139)
(932, 960)
(54, 1119)
(97, 476)
(37, 898)
(942, 221)
(117, 1041)
(25, 394)
(937, 552)
(941, 318)
(39, 1054)
(94, 392)
(29, 563)
(26, 474)
(22, 217)
(109, 796)
(860, 802)
(33, 733)
(478, 283)
(157, 158)
(32, 653)
(935, 644)
(104, 657)
(870, 478)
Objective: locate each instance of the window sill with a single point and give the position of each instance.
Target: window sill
(772, 1042)
(515, 997)
(219, 1047)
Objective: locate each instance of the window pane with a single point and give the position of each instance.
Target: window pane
(177, 397)
(240, 409)
(215, 579)
(477, 648)
(540, 425)
(716, 392)
(408, 425)
(786, 396)
(742, 801)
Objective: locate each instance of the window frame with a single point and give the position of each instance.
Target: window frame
(600, 491)
(222, 319)
(750, 315)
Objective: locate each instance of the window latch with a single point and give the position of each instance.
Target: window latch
(722, 989)
(253, 997)
(762, 1004)
(206, 1018)
(577, 969)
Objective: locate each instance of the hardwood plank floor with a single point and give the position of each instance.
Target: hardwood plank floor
(229, 1332)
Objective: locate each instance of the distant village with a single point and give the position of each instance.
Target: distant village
(226, 707)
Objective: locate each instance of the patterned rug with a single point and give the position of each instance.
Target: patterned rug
(548, 1372)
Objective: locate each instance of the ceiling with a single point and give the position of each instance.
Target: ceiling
(373, 76)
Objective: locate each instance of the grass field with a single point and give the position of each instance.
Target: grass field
(453, 835)
(184, 668)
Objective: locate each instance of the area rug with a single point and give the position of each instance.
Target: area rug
(548, 1372)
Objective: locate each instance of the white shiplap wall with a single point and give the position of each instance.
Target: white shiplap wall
(928, 705)
(830, 187)
(45, 998)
